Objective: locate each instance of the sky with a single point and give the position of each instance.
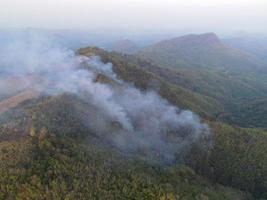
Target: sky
(163, 16)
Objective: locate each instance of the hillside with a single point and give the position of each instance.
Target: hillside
(199, 51)
(14, 101)
(124, 46)
(58, 157)
(256, 45)
(228, 163)
(211, 93)
(145, 80)
(73, 145)
(236, 84)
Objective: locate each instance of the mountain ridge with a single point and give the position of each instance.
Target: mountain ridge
(65, 155)
(199, 51)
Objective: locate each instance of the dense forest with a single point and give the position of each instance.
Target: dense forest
(50, 148)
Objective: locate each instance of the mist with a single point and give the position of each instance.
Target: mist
(129, 119)
(136, 16)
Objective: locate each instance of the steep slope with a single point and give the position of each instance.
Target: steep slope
(209, 82)
(198, 51)
(225, 138)
(235, 93)
(206, 66)
(51, 149)
(145, 80)
(212, 93)
(13, 101)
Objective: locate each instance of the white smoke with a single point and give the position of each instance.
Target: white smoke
(147, 123)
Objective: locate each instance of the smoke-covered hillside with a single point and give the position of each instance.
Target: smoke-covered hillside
(97, 125)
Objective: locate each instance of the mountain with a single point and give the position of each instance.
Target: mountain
(69, 143)
(58, 157)
(124, 46)
(255, 45)
(145, 80)
(230, 164)
(199, 51)
(204, 65)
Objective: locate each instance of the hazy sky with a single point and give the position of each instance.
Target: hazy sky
(137, 15)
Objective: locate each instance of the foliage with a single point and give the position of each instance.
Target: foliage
(64, 165)
(48, 152)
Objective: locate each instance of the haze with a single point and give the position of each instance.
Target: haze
(163, 16)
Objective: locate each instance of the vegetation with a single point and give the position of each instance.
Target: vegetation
(232, 145)
(212, 93)
(145, 80)
(48, 152)
(51, 163)
(200, 51)
(240, 99)
(238, 158)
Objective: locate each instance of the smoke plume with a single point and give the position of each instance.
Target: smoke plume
(131, 120)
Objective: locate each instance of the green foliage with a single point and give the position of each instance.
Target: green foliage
(239, 98)
(239, 158)
(133, 73)
(47, 152)
(212, 93)
(224, 80)
(57, 163)
(200, 51)
(61, 168)
(248, 113)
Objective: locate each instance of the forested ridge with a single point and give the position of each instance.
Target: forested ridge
(48, 152)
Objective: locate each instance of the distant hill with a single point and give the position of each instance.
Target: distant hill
(124, 46)
(198, 51)
(255, 45)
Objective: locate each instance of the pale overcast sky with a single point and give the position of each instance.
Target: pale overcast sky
(136, 15)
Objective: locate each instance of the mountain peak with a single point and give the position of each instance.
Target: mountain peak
(124, 46)
(203, 50)
(210, 39)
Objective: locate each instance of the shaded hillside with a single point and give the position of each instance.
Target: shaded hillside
(133, 73)
(248, 113)
(60, 158)
(255, 45)
(212, 93)
(231, 90)
(199, 51)
(57, 147)
(234, 92)
(210, 82)
(249, 162)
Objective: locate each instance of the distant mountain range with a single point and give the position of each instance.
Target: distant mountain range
(200, 51)
(256, 45)
(125, 46)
